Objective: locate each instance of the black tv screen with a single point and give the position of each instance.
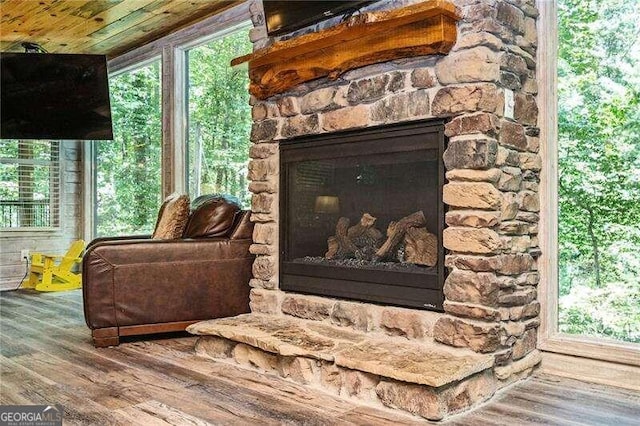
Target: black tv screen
(286, 16)
(54, 96)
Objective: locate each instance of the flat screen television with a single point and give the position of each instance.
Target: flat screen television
(54, 96)
(286, 16)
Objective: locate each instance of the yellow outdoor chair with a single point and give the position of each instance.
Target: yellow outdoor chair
(54, 273)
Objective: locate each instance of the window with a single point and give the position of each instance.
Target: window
(588, 82)
(181, 124)
(29, 184)
(218, 117)
(128, 169)
(599, 169)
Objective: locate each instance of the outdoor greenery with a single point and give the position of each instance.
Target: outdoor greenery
(128, 168)
(219, 118)
(599, 167)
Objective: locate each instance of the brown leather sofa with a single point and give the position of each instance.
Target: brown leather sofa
(138, 285)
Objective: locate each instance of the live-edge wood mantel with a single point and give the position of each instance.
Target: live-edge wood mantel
(421, 29)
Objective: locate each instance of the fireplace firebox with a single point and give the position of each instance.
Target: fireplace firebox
(362, 214)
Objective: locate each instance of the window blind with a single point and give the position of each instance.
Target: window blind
(29, 184)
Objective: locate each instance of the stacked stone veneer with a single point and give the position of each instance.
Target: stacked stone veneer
(493, 168)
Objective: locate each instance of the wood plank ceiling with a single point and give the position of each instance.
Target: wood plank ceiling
(109, 27)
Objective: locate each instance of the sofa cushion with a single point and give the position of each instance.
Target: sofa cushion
(172, 218)
(211, 216)
(243, 227)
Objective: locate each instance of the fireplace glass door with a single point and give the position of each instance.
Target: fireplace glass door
(362, 215)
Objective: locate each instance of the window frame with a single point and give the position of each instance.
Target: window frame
(170, 49)
(56, 206)
(549, 337)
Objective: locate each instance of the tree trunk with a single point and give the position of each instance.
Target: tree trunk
(140, 170)
(594, 246)
(197, 161)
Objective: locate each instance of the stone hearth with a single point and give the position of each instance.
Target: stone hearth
(428, 363)
(429, 380)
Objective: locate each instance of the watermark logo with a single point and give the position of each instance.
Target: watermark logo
(31, 415)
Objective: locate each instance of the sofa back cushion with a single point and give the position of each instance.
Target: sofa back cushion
(243, 227)
(211, 216)
(172, 217)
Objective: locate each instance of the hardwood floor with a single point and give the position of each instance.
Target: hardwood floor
(46, 357)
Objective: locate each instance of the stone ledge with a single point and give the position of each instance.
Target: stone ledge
(430, 364)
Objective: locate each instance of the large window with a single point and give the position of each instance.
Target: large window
(182, 123)
(599, 168)
(218, 117)
(128, 169)
(29, 184)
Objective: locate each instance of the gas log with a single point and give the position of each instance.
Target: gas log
(420, 247)
(396, 231)
(407, 241)
(358, 241)
(365, 236)
(340, 246)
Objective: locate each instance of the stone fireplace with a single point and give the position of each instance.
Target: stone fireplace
(459, 330)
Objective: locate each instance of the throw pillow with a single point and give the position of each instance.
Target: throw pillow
(172, 218)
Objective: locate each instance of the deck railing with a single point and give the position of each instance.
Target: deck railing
(25, 214)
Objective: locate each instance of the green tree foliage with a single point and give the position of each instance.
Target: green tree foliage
(219, 122)
(219, 118)
(128, 168)
(599, 167)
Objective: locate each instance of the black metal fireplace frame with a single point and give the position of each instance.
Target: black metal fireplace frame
(409, 289)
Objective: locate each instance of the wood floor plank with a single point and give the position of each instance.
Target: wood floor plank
(583, 400)
(593, 389)
(156, 413)
(46, 356)
(579, 412)
(226, 393)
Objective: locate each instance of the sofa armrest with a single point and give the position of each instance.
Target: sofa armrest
(129, 282)
(126, 251)
(120, 238)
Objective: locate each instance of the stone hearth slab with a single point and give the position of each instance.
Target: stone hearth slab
(424, 363)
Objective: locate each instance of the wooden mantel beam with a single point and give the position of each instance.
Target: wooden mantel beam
(422, 29)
